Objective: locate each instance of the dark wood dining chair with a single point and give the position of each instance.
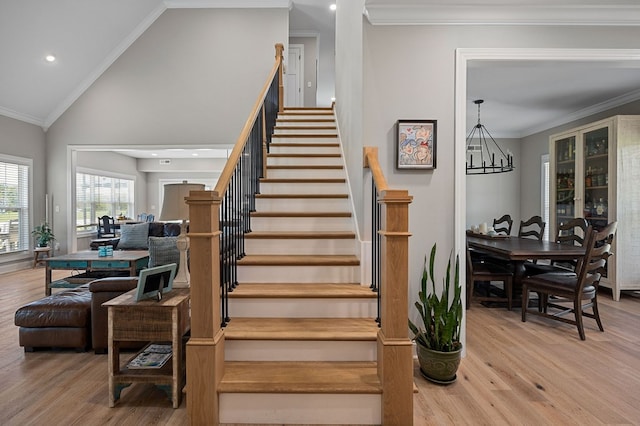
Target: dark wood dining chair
(503, 225)
(106, 227)
(532, 228)
(572, 293)
(483, 273)
(573, 233)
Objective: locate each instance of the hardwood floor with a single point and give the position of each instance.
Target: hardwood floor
(514, 373)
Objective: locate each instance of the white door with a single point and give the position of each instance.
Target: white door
(294, 86)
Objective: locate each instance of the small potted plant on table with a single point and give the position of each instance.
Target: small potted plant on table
(44, 234)
(438, 338)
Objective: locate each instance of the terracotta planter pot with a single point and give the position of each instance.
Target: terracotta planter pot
(438, 367)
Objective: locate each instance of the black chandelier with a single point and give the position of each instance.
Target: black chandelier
(486, 161)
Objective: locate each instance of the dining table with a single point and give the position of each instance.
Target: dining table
(518, 250)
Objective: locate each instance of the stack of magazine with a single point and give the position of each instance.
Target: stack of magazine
(153, 356)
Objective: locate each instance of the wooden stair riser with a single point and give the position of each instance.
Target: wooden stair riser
(302, 204)
(303, 308)
(301, 274)
(300, 246)
(303, 161)
(309, 129)
(301, 148)
(312, 224)
(303, 188)
(284, 408)
(297, 350)
(295, 173)
(296, 139)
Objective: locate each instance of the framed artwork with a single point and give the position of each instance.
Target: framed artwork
(416, 144)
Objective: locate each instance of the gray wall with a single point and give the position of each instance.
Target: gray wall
(349, 96)
(191, 78)
(409, 73)
(491, 196)
(25, 140)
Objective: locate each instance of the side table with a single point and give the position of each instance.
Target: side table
(166, 320)
(36, 254)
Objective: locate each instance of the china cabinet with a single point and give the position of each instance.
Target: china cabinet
(594, 173)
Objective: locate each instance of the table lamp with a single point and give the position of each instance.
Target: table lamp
(174, 207)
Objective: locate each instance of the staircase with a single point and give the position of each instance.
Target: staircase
(301, 344)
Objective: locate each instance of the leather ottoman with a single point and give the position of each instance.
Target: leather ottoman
(62, 320)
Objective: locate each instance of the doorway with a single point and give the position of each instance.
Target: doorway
(295, 76)
(465, 57)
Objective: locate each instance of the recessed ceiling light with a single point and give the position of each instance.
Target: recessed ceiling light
(153, 154)
(50, 58)
(332, 6)
(195, 154)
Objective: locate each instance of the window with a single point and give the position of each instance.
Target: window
(15, 183)
(544, 190)
(98, 195)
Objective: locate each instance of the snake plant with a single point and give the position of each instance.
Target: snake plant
(441, 320)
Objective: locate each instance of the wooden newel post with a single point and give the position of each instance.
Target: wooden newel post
(395, 350)
(279, 56)
(205, 348)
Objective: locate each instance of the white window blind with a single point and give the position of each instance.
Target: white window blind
(98, 195)
(14, 204)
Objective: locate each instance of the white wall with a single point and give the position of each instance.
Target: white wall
(190, 79)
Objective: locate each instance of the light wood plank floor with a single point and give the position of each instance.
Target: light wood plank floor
(534, 373)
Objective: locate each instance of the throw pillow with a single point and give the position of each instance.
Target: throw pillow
(134, 236)
(163, 250)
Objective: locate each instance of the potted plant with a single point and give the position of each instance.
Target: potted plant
(438, 338)
(43, 234)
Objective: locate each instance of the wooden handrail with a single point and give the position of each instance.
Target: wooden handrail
(371, 161)
(232, 161)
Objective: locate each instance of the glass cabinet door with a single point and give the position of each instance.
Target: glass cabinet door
(596, 177)
(565, 158)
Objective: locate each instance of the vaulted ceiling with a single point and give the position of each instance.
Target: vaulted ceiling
(86, 36)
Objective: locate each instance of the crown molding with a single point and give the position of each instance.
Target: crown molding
(501, 14)
(585, 112)
(22, 117)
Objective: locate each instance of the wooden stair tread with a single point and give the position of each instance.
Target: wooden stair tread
(313, 111)
(298, 260)
(310, 155)
(308, 108)
(302, 180)
(303, 128)
(300, 214)
(302, 329)
(306, 135)
(300, 235)
(303, 144)
(303, 120)
(305, 166)
(302, 291)
(300, 377)
(302, 195)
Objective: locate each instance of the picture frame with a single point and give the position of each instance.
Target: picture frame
(416, 142)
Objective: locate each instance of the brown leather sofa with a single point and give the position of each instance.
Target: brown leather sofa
(73, 318)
